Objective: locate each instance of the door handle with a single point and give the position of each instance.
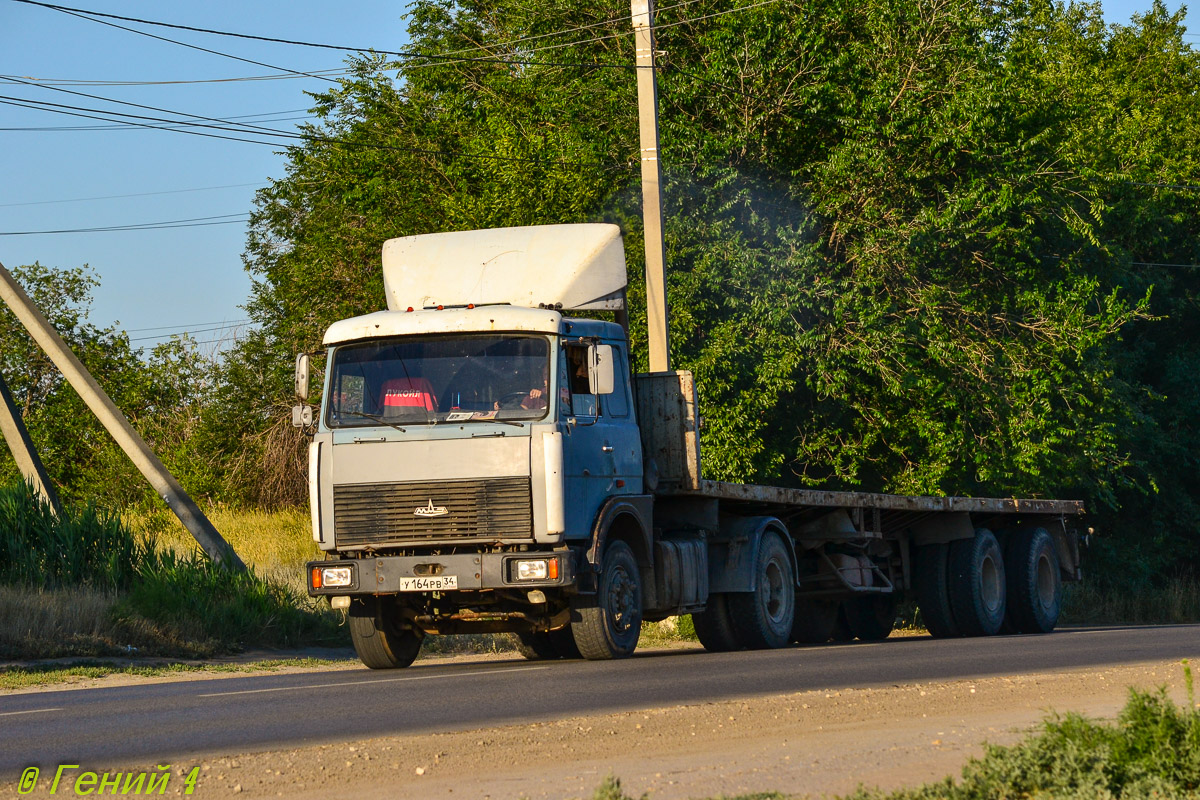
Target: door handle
(606, 448)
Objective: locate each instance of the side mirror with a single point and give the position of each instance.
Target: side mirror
(302, 416)
(302, 376)
(600, 369)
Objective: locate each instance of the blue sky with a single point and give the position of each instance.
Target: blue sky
(187, 278)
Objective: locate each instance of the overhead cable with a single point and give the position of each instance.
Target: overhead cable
(194, 222)
(137, 194)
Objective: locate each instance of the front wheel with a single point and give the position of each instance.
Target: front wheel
(376, 639)
(609, 623)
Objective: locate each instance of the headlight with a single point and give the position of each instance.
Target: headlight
(329, 577)
(541, 569)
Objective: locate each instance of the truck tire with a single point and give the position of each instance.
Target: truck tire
(381, 648)
(762, 619)
(815, 621)
(536, 646)
(841, 629)
(977, 584)
(931, 576)
(1034, 582)
(871, 617)
(714, 629)
(547, 645)
(610, 621)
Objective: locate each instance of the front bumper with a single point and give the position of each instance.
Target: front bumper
(389, 574)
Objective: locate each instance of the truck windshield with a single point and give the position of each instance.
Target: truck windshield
(433, 380)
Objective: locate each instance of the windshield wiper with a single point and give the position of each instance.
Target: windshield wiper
(495, 419)
(372, 417)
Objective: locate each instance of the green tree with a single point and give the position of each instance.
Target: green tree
(907, 240)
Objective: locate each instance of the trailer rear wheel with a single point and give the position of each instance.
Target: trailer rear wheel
(610, 621)
(815, 621)
(763, 618)
(1034, 582)
(841, 629)
(381, 647)
(977, 584)
(931, 576)
(871, 617)
(714, 629)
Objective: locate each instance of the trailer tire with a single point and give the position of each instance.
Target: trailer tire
(381, 648)
(841, 628)
(977, 584)
(931, 574)
(536, 646)
(1034, 582)
(871, 617)
(762, 619)
(713, 627)
(608, 623)
(815, 621)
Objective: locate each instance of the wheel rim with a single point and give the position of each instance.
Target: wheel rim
(771, 590)
(1045, 581)
(991, 591)
(622, 600)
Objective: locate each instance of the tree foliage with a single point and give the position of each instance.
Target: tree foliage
(919, 246)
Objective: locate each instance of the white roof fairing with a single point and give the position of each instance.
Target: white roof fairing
(452, 320)
(580, 266)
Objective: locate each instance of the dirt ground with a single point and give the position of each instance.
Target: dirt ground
(804, 744)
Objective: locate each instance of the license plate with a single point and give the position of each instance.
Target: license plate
(435, 583)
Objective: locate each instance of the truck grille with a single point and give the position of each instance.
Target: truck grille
(479, 510)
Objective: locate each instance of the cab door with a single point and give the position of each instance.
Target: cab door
(602, 449)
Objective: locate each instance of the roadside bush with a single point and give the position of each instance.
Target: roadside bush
(1153, 751)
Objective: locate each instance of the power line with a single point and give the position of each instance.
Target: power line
(172, 125)
(189, 325)
(1164, 185)
(181, 44)
(84, 82)
(194, 222)
(136, 194)
(123, 126)
(183, 332)
(93, 15)
(62, 109)
(1159, 264)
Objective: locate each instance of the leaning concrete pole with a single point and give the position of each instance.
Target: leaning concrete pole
(24, 453)
(115, 423)
(656, 258)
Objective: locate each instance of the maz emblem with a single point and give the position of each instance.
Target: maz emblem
(431, 510)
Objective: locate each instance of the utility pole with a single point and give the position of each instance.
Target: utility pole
(657, 318)
(24, 453)
(116, 424)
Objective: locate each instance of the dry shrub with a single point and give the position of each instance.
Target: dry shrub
(46, 623)
(272, 465)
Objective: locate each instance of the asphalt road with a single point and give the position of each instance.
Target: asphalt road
(172, 722)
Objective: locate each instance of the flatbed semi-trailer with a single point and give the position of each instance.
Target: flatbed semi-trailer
(481, 462)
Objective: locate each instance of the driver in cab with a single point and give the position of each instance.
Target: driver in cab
(535, 399)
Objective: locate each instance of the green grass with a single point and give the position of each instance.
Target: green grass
(1175, 601)
(97, 587)
(21, 677)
